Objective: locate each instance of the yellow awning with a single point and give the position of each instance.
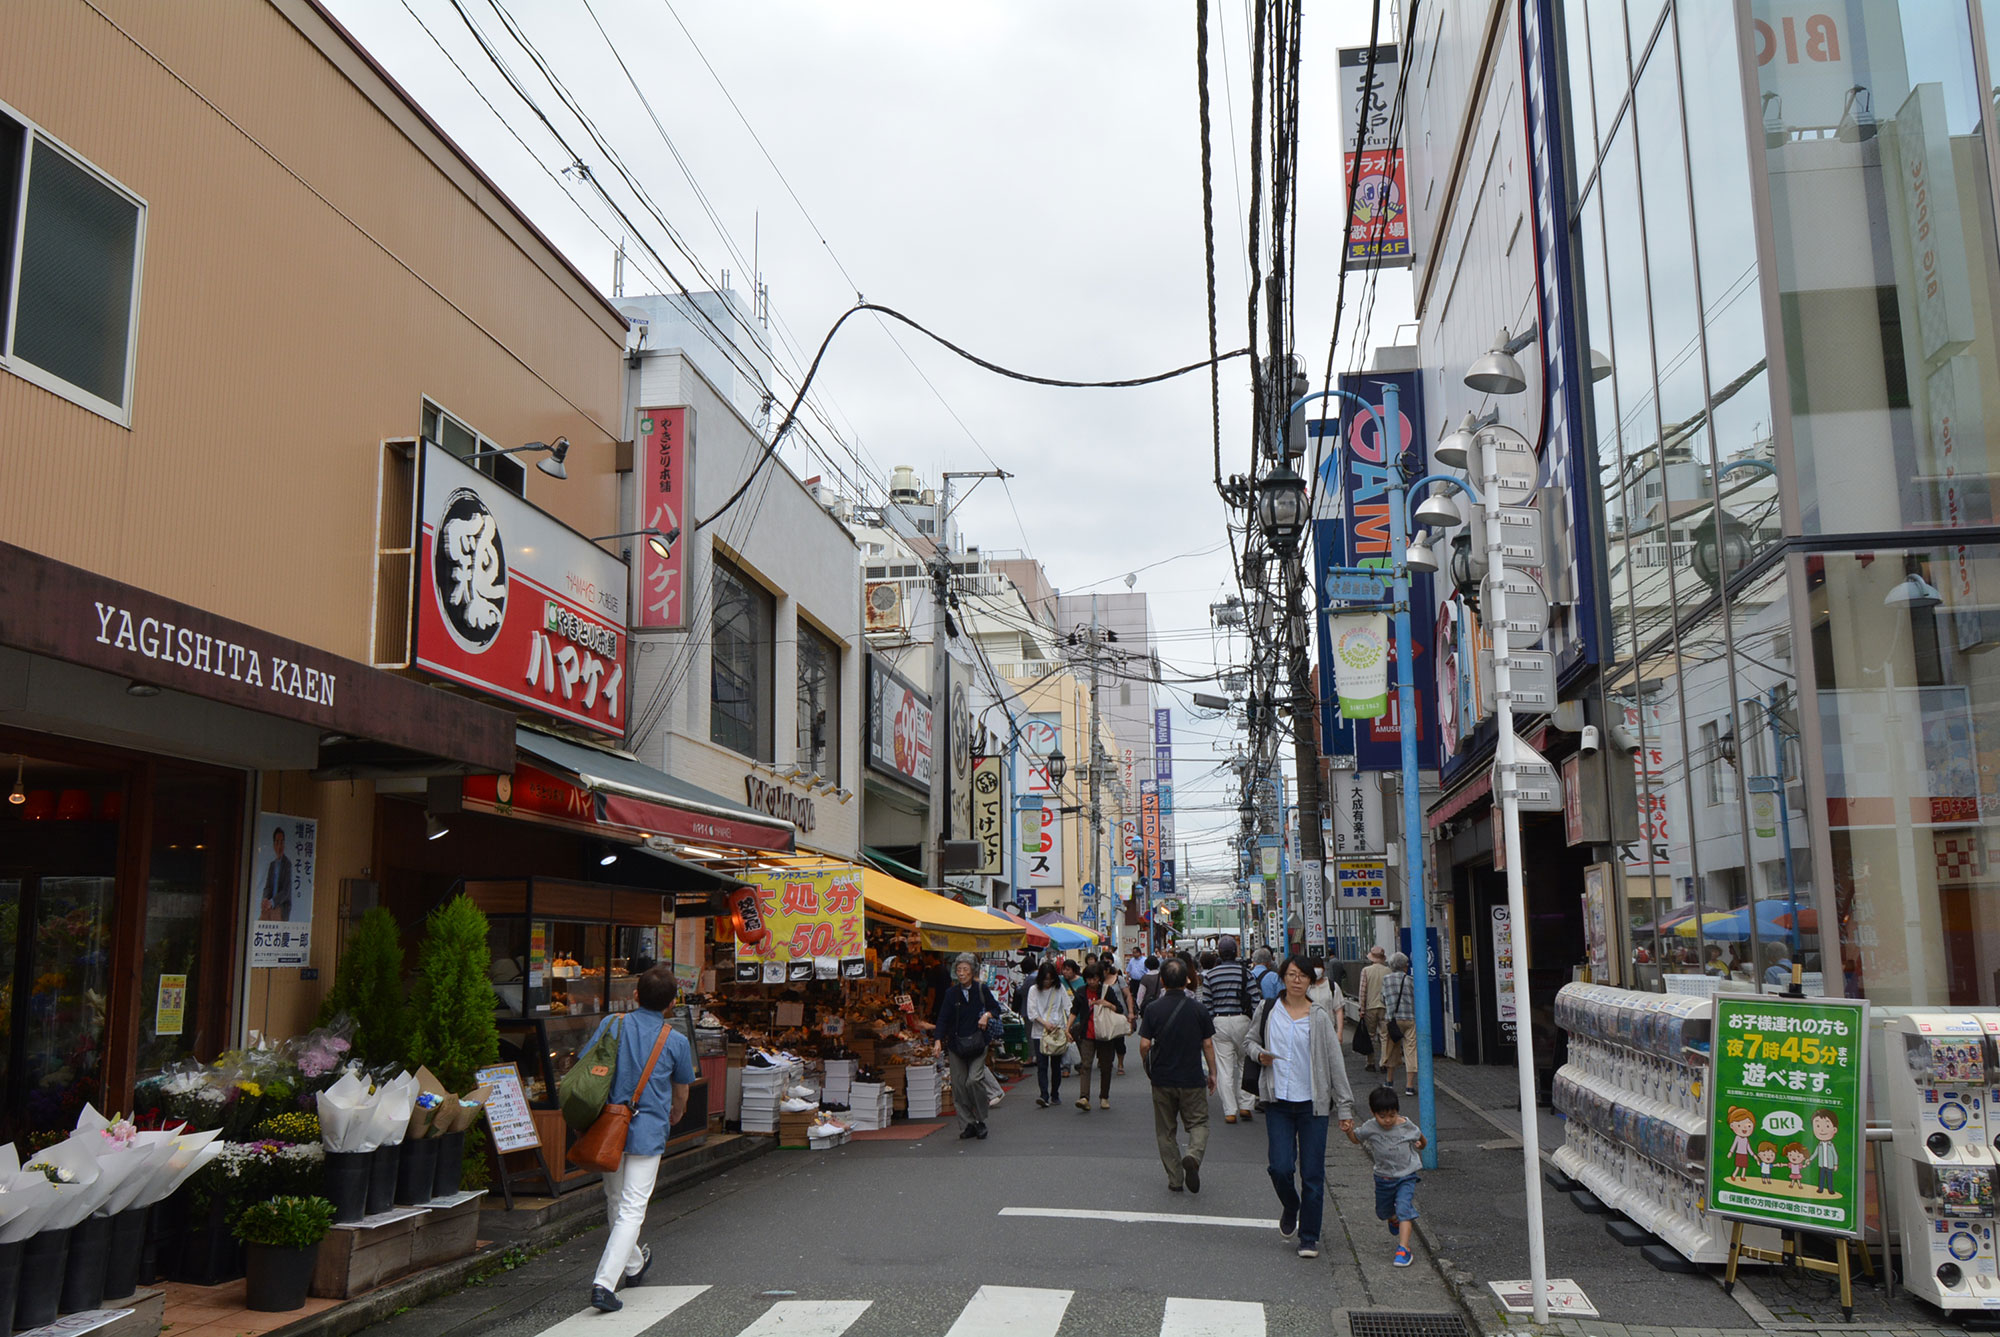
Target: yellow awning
(942, 924)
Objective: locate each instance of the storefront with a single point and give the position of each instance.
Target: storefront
(146, 744)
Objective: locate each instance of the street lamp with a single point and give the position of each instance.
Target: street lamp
(1496, 371)
(552, 466)
(1058, 768)
(661, 544)
(1281, 508)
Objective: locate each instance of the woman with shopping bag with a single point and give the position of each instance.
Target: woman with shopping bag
(1048, 1021)
(1097, 1020)
(648, 1095)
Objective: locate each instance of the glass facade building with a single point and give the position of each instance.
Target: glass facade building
(1783, 238)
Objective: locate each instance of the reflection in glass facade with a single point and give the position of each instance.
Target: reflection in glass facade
(1786, 260)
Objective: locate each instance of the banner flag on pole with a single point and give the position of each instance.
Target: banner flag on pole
(1360, 644)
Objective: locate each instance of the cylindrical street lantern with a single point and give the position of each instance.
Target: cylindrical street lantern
(1281, 508)
(1058, 768)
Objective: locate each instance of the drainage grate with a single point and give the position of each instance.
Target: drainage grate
(1391, 1323)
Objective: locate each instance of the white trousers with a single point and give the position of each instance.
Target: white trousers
(627, 1190)
(1230, 1033)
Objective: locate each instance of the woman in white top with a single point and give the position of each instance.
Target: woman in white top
(1303, 1084)
(1048, 1021)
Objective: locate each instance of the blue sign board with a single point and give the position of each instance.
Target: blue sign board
(1026, 897)
(1360, 472)
(1436, 959)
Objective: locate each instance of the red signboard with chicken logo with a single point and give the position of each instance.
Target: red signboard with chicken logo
(515, 604)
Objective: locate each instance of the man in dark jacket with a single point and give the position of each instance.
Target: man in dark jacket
(968, 1007)
(1176, 1035)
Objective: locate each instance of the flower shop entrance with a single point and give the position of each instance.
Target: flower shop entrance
(116, 922)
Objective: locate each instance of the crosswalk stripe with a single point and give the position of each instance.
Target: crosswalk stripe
(644, 1306)
(1213, 1318)
(1011, 1311)
(807, 1318)
(1143, 1218)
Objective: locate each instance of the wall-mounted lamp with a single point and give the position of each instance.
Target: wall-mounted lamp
(661, 543)
(552, 466)
(434, 829)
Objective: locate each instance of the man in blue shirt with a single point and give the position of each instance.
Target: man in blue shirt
(655, 1109)
(1262, 978)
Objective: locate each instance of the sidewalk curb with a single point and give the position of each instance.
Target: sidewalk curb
(407, 1292)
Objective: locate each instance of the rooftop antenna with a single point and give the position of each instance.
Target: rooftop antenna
(760, 296)
(618, 270)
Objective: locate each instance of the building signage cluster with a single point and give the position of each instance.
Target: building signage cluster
(664, 486)
(1359, 472)
(1378, 225)
(515, 604)
(899, 726)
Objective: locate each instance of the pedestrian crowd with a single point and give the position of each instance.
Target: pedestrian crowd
(1263, 1037)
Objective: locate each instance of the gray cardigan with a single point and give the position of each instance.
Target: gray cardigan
(1329, 1075)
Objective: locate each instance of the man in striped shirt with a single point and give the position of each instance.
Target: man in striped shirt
(1225, 992)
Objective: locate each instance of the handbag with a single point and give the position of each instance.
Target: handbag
(1393, 1026)
(1110, 1022)
(603, 1146)
(587, 1085)
(1253, 1072)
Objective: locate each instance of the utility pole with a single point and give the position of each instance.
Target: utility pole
(942, 629)
(1096, 777)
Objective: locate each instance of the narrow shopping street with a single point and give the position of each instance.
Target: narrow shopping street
(1058, 1223)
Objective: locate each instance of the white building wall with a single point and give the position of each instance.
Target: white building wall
(778, 535)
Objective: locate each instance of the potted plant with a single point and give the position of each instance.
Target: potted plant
(281, 1242)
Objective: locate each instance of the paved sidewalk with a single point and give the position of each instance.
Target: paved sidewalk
(1472, 1226)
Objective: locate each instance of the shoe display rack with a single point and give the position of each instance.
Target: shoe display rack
(1633, 1094)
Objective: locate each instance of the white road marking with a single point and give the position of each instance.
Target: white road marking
(1213, 1318)
(1012, 1311)
(1143, 1218)
(807, 1318)
(644, 1306)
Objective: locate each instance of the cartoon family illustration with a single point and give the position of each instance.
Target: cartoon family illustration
(1825, 1156)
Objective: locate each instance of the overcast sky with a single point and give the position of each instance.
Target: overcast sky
(1021, 176)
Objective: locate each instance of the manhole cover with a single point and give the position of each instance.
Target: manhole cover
(1389, 1323)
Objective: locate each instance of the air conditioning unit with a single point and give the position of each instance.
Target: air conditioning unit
(883, 606)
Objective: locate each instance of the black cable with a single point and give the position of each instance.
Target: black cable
(1208, 230)
(969, 356)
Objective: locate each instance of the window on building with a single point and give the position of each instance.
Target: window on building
(741, 632)
(819, 704)
(68, 309)
(1718, 763)
(506, 470)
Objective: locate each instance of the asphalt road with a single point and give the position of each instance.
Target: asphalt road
(900, 1237)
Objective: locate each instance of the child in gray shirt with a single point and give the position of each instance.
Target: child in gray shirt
(1392, 1143)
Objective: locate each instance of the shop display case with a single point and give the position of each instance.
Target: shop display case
(562, 953)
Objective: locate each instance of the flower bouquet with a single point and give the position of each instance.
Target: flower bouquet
(361, 1127)
(71, 1170)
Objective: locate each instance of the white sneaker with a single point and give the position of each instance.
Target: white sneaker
(798, 1106)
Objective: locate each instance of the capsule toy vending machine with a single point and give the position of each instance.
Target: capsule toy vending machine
(1940, 1096)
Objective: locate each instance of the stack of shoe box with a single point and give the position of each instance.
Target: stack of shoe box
(925, 1086)
(763, 1092)
(870, 1108)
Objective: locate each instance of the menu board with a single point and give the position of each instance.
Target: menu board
(507, 1108)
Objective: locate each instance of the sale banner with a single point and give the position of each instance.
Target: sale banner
(806, 913)
(1788, 1078)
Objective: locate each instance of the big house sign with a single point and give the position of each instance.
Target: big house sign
(515, 604)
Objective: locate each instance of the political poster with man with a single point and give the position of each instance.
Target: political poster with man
(281, 890)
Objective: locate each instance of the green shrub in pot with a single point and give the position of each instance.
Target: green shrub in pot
(287, 1222)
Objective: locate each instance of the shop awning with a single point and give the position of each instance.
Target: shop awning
(627, 793)
(943, 924)
(1052, 920)
(1033, 935)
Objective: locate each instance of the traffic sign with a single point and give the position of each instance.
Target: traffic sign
(1532, 676)
(1517, 536)
(1351, 587)
(1527, 606)
(1513, 467)
(1534, 782)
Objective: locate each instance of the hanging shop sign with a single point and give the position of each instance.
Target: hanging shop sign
(805, 913)
(1361, 884)
(1361, 652)
(746, 919)
(513, 603)
(1267, 856)
(665, 485)
(1312, 894)
(1378, 225)
(281, 890)
(1355, 798)
(899, 726)
(1787, 1079)
(1358, 471)
(784, 804)
(989, 815)
(1505, 1001)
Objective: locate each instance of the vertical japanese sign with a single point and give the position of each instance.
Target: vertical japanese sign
(1312, 894)
(281, 890)
(989, 815)
(807, 912)
(1163, 779)
(1359, 471)
(1506, 1004)
(1149, 829)
(1378, 224)
(664, 487)
(1041, 826)
(1787, 1078)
